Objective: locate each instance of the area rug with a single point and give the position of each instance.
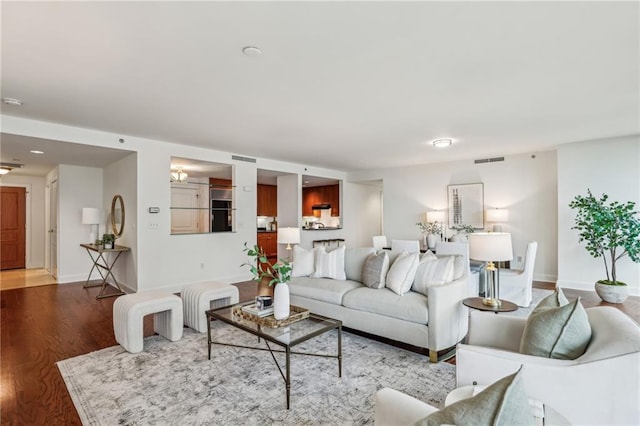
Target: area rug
(172, 383)
(537, 295)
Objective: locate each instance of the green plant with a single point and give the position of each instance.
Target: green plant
(430, 227)
(463, 229)
(606, 228)
(279, 272)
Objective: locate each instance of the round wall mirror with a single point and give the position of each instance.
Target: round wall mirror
(117, 215)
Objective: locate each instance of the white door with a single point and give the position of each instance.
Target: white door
(185, 212)
(53, 229)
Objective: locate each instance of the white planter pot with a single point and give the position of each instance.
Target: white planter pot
(431, 241)
(612, 293)
(281, 301)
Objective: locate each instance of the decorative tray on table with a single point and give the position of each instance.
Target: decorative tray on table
(296, 313)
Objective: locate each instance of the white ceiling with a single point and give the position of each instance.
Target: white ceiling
(344, 85)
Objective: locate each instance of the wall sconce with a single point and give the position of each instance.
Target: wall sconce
(497, 216)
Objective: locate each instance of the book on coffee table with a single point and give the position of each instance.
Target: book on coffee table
(255, 311)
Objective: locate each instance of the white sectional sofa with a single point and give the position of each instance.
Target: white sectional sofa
(435, 321)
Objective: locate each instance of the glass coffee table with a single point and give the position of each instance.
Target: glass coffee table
(286, 337)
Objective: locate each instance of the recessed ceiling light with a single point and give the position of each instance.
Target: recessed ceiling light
(251, 51)
(442, 143)
(12, 101)
(35, 151)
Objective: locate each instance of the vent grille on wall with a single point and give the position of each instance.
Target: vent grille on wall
(489, 160)
(240, 158)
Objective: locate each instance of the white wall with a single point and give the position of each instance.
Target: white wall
(121, 178)
(525, 184)
(610, 166)
(78, 187)
(363, 207)
(35, 216)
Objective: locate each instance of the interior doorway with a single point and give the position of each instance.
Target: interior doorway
(53, 228)
(12, 227)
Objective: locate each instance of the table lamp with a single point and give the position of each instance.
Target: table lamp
(288, 236)
(92, 216)
(497, 216)
(491, 247)
(436, 216)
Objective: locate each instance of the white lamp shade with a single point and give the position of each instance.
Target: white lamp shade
(91, 216)
(435, 216)
(498, 215)
(490, 246)
(288, 235)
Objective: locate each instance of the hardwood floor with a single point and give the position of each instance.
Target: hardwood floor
(42, 325)
(21, 278)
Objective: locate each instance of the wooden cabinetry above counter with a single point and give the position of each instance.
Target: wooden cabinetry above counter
(269, 243)
(267, 200)
(328, 194)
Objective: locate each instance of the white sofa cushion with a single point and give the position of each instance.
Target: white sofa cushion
(354, 258)
(303, 262)
(322, 289)
(433, 271)
(410, 307)
(330, 264)
(402, 272)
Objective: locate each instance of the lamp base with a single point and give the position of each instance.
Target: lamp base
(491, 302)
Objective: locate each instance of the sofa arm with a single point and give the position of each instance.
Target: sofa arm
(495, 331)
(448, 318)
(393, 408)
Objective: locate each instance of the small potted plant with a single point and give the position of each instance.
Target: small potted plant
(278, 274)
(611, 231)
(430, 230)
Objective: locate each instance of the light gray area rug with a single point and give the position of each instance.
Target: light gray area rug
(173, 383)
(537, 295)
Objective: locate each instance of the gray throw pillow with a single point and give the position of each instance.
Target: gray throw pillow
(504, 403)
(375, 270)
(556, 329)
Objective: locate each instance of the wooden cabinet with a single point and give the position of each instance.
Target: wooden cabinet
(267, 200)
(269, 243)
(329, 194)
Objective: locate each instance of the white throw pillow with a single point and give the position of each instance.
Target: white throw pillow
(330, 264)
(432, 272)
(401, 274)
(303, 262)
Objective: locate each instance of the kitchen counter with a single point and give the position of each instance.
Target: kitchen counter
(328, 228)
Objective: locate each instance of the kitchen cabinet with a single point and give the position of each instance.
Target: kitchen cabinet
(267, 200)
(269, 243)
(328, 194)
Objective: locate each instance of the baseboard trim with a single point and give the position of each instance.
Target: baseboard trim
(587, 286)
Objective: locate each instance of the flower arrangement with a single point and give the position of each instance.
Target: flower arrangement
(430, 227)
(463, 229)
(279, 272)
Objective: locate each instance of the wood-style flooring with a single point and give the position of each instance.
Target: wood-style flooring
(21, 278)
(42, 325)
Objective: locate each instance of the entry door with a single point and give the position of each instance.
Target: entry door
(12, 227)
(53, 229)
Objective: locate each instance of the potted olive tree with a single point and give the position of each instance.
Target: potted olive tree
(611, 230)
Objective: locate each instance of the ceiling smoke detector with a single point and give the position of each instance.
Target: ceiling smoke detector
(251, 51)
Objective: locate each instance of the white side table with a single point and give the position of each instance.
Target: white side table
(544, 415)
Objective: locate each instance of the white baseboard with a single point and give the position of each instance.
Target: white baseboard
(177, 288)
(545, 278)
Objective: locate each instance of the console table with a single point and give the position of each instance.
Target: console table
(104, 267)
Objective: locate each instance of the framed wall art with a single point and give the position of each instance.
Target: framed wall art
(466, 205)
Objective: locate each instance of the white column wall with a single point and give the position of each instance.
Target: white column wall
(610, 166)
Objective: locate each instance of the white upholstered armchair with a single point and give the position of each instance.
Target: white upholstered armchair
(600, 387)
(516, 285)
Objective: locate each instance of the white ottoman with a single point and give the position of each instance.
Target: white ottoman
(130, 309)
(200, 297)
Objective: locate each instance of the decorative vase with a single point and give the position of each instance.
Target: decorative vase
(264, 289)
(431, 241)
(281, 301)
(612, 293)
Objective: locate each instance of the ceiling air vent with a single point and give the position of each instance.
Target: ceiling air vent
(488, 160)
(240, 158)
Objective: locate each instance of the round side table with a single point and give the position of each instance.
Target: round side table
(476, 303)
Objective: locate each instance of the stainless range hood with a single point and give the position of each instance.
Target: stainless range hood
(326, 206)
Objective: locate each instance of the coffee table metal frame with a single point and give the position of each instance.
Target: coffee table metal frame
(327, 324)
